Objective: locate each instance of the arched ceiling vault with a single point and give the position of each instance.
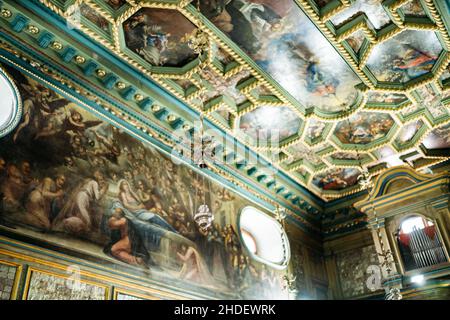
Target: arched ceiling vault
(343, 83)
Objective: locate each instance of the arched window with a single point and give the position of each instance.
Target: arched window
(10, 104)
(264, 238)
(419, 243)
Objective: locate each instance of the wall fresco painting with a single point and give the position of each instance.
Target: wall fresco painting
(270, 123)
(439, 138)
(284, 42)
(364, 128)
(372, 8)
(67, 177)
(336, 179)
(160, 37)
(406, 56)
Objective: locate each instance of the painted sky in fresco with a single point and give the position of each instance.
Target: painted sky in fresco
(279, 37)
(270, 123)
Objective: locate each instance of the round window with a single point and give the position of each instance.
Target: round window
(264, 238)
(10, 104)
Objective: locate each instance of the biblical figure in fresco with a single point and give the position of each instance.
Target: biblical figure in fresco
(160, 37)
(194, 268)
(126, 244)
(131, 202)
(414, 63)
(45, 201)
(79, 213)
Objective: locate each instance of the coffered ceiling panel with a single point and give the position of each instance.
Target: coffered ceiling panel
(341, 85)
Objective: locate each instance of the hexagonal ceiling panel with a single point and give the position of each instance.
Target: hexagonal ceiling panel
(364, 128)
(160, 37)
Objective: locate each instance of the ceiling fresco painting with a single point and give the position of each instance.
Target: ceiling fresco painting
(115, 4)
(364, 128)
(385, 98)
(337, 179)
(345, 156)
(94, 17)
(408, 131)
(405, 57)
(217, 87)
(280, 39)
(413, 8)
(315, 131)
(160, 37)
(439, 138)
(343, 85)
(307, 155)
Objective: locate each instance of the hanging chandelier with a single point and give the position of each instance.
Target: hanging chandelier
(204, 218)
(203, 145)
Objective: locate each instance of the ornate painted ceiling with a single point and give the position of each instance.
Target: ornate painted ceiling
(343, 84)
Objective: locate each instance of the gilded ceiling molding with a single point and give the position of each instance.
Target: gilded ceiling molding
(400, 112)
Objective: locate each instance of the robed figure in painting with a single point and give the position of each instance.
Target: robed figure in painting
(130, 200)
(126, 244)
(79, 213)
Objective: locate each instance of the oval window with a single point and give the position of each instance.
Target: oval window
(264, 238)
(10, 105)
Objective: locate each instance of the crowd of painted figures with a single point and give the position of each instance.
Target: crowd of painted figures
(64, 172)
